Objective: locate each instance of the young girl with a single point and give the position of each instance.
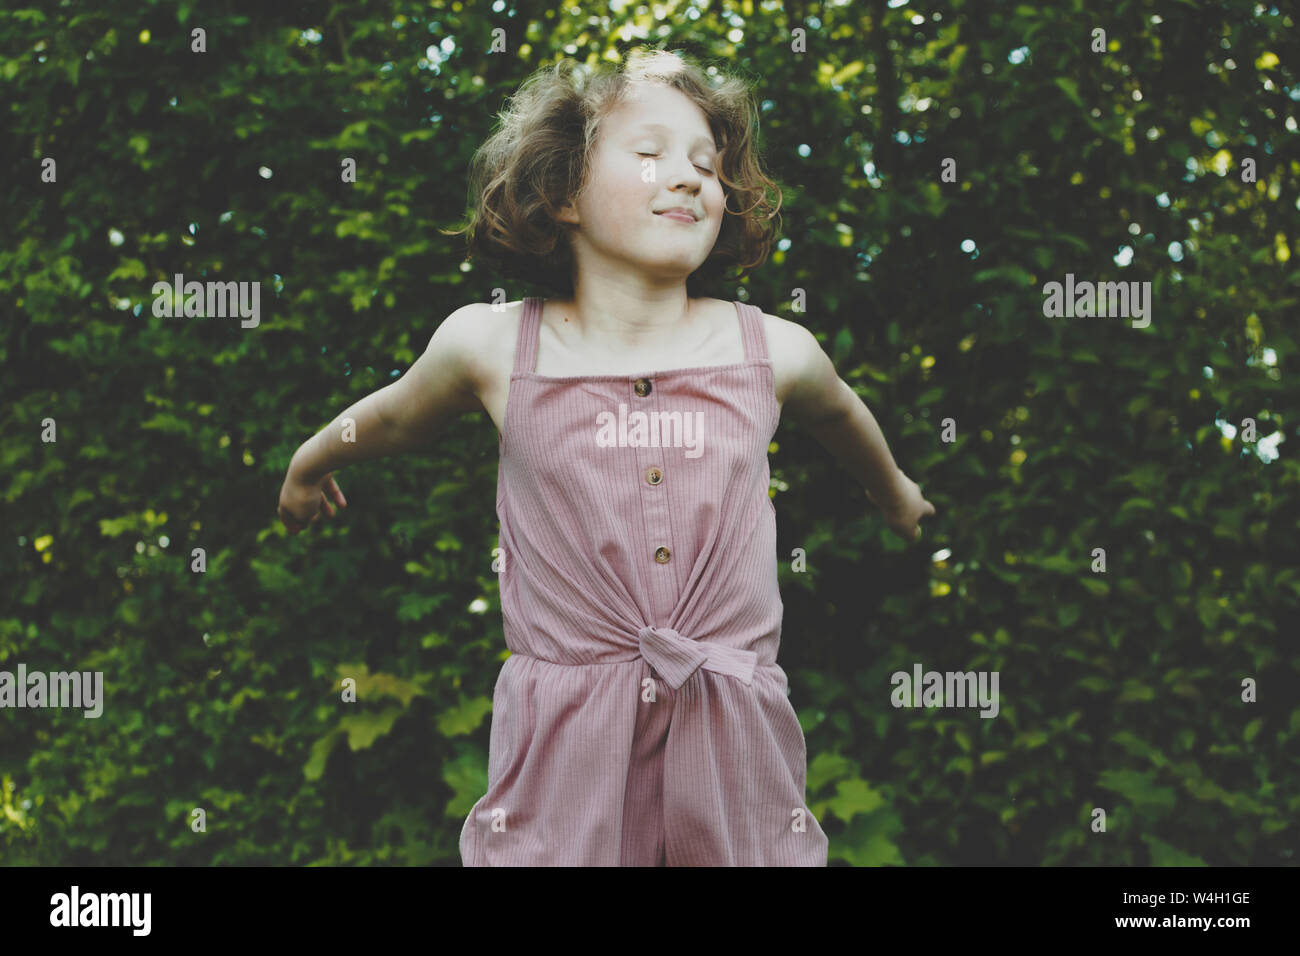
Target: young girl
(641, 718)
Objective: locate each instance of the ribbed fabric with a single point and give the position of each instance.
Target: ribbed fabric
(641, 718)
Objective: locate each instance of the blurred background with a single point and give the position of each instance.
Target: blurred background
(1162, 690)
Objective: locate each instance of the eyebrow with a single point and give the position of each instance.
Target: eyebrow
(699, 139)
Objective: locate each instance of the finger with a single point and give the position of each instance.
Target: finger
(337, 493)
(329, 508)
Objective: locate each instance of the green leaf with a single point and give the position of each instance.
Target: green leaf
(1096, 586)
(826, 767)
(962, 764)
(847, 72)
(365, 728)
(1208, 610)
(1135, 690)
(1139, 747)
(852, 797)
(113, 527)
(168, 423)
(869, 840)
(467, 777)
(465, 717)
(843, 344)
(1013, 274)
(1162, 854)
(320, 752)
(413, 605)
(1139, 788)
(1070, 88)
(1029, 740)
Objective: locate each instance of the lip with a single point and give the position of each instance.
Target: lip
(680, 214)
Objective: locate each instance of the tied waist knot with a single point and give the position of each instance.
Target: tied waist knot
(675, 658)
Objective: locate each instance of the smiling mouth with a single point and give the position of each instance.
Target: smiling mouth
(679, 216)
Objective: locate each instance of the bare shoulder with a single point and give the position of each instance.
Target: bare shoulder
(481, 334)
(794, 352)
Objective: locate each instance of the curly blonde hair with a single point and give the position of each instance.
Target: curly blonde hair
(539, 158)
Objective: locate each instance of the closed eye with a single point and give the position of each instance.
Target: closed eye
(703, 169)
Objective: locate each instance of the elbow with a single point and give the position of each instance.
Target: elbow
(388, 417)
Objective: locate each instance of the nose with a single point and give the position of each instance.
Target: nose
(684, 172)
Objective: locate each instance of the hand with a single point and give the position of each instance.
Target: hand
(906, 506)
(301, 501)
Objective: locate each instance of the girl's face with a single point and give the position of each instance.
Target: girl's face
(653, 153)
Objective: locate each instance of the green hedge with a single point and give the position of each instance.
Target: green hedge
(1120, 690)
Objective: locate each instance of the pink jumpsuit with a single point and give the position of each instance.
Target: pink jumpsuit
(641, 718)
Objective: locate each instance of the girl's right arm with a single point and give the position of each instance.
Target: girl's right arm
(441, 385)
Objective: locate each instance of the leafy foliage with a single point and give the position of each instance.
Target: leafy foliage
(1120, 690)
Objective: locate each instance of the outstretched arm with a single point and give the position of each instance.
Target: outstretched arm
(835, 415)
(405, 414)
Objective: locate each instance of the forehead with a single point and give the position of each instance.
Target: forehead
(650, 103)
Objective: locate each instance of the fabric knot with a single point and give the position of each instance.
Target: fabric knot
(675, 658)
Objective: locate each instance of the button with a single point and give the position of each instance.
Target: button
(654, 476)
(643, 387)
(662, 555)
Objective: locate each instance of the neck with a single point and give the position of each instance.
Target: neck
(625, 320)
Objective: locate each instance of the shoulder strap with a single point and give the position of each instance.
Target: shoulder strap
(752, 332)
(529, 328)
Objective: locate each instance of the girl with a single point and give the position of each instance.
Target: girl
(641, 718)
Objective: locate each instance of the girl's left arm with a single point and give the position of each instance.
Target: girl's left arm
(843, 424)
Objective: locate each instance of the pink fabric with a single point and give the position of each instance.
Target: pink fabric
(641, 718)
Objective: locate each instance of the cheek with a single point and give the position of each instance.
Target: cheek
(622, 197)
